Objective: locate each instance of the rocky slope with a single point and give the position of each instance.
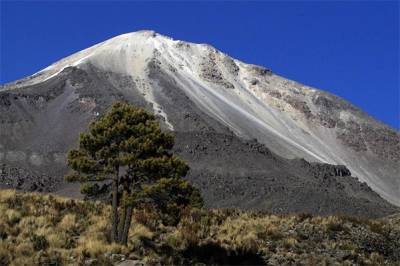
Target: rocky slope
(241, 127)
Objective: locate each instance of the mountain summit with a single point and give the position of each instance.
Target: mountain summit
(242, 128)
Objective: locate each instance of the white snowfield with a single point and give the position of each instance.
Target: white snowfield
(253, 102)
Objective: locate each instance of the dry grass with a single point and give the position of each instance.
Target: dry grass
(40, 229)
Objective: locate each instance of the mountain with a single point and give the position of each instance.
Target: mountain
(253, 139)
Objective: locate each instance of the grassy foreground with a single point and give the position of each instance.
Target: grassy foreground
(37, 229)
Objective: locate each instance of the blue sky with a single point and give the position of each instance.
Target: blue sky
(348, 48)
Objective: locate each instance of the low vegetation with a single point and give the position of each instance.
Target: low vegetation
(37, 229)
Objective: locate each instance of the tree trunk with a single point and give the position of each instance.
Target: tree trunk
(127, 225)
(121, 223)
(114, 218)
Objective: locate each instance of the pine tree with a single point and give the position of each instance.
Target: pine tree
(128, 148)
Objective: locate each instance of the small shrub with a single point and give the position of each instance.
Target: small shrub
(50, 257)
(68, 223)
(333, 224)
(5, 256)
(91, 248)
(274, 233)
(174, 240)
(190, 231)
(334, 227)
(140, 232)
(347, 246)
(331, 245)
(14, 202)
(354, 220)
(61, 240)
(304, 216)
(376, 259)
(13, 217)
(24, 249)
(290, 243)
(3, 231)
(377, 227)
(7, 194)
(39, 242)
(247, 242)
(146, 216)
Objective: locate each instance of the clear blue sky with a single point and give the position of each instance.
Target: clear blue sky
(347, 48)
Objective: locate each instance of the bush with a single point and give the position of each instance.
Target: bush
(377, 228)
(147, 216)
(304, 216)
(4, 256)
(170, 196)
(39, 242)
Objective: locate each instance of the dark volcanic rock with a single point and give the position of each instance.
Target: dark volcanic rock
(14, 177)
(235, 173)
